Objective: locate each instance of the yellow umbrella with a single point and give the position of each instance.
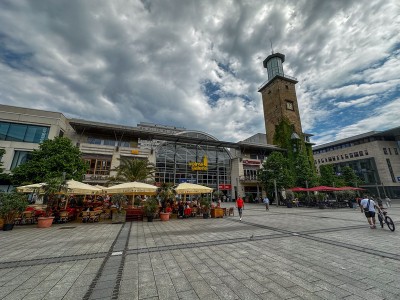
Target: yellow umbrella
(79, 188)
(191, 189)
(132, 188)
(31, 188)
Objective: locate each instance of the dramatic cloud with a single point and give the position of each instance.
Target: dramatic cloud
(198, 64)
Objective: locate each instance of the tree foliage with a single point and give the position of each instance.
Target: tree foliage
(51, 160)
(4, 177)
(11, 204)
(276, 167)
(349, 177)
(304, 172)
(131, 169)
(327, 175)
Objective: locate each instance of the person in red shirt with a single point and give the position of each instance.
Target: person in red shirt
(240, 206)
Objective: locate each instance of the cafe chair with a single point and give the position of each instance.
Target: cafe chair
(94, 216)
(106, 214)
(231, 211)
(63, 217)
(27, 217)
(85, 216)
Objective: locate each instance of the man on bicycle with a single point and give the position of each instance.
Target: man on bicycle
(240, 206)
(368, 208)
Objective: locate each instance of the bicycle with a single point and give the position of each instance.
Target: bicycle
(384, 218)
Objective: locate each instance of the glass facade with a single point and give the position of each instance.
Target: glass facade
(23, 132)
(274, 67)
(199, 164)
(19, 158)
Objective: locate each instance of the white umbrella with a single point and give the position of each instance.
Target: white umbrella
(76, 187)
(132, 188)
(190, 189)
(30, 187)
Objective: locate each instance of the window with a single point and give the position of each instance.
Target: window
(361, 153)
(355, 154)
(390, 151)
(286, 87)
(289, 105)
(390, 169)
(396, 151)
(385, 151)
(92, 140)
(351, 155)
(19, 158)
(366, 152)
(23, 132)
(346, 156)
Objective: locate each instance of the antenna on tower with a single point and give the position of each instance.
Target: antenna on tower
(272, 49)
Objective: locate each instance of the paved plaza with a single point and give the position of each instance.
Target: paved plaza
(297, 253)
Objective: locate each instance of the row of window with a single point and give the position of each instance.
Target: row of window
(354, 143)
(343, 156)
(97, 141)
(23, 132)
(387, 151)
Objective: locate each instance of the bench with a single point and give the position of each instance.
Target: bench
(134, 214)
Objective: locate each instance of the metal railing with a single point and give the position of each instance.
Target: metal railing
(285, 76)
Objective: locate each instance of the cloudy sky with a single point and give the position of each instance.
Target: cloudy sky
(198, 64)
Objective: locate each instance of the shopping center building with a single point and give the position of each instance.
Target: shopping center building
(180, 155)
(374, 156)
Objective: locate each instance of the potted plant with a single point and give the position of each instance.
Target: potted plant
(119, 214)
(166, 193)
(11, 205)
(150, 208)
(205, 203)
(54, 188)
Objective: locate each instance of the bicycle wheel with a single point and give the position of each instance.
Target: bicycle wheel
(380, 220)
(389, 223)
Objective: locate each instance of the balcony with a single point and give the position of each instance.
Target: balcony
(248, 179)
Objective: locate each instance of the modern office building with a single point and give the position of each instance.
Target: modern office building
(374, 156)
(180, 155)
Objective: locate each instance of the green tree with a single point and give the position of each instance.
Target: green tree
(349, 177)
(304, 172)
(276, 167)
(328, 175)
(51, 160)
(133, 170)
(54, 188)
(5, 178)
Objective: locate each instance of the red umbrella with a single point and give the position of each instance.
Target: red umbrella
(323, 188)
(350, 188)
(299, 189)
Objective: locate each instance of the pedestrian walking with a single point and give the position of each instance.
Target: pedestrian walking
(240, 206)
(368, 208)
(266, 202)
(388, 202)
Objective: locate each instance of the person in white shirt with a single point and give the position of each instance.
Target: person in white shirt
(368, 208)
(388, 202)
(266, 202)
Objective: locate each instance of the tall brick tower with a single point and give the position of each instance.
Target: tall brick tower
(279, 97)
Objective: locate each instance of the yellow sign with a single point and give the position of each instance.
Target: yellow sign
(135, 151)
(200, 166)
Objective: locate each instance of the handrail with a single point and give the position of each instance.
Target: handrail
(285, 76)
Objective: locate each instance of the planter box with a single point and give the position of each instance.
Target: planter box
(118, 217)
(217, 213)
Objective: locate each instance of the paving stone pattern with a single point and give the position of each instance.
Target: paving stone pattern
(297, 253)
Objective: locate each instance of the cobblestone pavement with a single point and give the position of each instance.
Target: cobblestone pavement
(297, 253)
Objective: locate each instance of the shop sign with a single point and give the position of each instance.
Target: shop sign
(199, 166)
(225, 187)
(251, 162)
(135, 151)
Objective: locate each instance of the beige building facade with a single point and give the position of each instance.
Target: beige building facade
(374, 156)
